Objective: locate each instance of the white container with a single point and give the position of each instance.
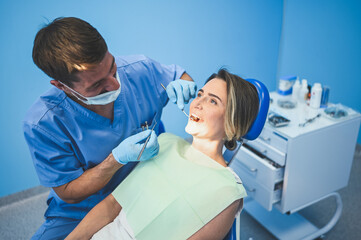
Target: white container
(302, 96)
(316, 94)
(296, 90)
(285, 85)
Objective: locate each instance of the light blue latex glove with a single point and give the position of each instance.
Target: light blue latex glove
(129, 149)
(181, 91)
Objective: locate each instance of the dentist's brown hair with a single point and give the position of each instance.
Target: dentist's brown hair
(67, 46)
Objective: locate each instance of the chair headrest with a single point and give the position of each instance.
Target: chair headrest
(263, 96)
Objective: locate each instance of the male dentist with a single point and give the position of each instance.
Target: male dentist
(86, 132)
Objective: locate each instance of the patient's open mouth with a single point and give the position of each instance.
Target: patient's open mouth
(194, 117)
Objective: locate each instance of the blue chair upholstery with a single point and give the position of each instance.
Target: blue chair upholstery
(260, 120)
(254, 131)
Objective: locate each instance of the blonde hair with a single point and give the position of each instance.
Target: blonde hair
(242, 104)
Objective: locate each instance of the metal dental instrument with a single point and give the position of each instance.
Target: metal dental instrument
(146, 141)
(309, 120)
(182, 110)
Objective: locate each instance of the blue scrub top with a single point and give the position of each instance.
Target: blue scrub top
(65, 139)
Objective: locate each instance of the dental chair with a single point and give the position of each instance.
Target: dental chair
(253, 133)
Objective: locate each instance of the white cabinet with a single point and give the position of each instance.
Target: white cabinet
(291, 167)
(259, 177)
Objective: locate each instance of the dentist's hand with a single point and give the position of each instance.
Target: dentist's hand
(181, 91)
(129, 149)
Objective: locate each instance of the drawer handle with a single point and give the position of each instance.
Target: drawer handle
(265, 139)
(249, 189)
(249, 168)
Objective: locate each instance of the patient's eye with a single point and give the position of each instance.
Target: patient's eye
(199, 94)
(213, 101)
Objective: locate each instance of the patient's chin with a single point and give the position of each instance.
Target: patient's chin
(195, 129)
(190, 128)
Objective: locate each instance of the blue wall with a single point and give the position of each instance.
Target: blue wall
(321, 41)
(201, 36)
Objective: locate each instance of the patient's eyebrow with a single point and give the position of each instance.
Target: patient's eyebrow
(213, 95)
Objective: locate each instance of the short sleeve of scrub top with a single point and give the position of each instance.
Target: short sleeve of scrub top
(55, 165)
(165, 73)
(159, 73)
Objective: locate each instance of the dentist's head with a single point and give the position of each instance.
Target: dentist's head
(76, 57)
(67, 46)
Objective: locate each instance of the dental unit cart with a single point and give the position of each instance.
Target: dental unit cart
(289, 168)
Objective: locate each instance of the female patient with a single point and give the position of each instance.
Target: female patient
(186, 191)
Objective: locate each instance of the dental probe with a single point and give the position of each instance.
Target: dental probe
(182, 110)
(146, 141)
(309, 120)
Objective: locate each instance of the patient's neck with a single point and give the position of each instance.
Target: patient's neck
(211, 148)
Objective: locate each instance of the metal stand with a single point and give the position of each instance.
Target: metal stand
(293, 226)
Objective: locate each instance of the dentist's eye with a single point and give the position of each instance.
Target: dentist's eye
(95, 86)
(214, 102)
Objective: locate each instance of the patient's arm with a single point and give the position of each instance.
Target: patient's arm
(219, 226)
(102, 214)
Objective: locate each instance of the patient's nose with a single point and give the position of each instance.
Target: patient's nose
(199, 104)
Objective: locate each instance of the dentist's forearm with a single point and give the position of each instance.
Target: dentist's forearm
(90, 182)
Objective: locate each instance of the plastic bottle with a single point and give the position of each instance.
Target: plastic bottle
(296, 90)
(303, 92)
(316, 94)
(325, 94)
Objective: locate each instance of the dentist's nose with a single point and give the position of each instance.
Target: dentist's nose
(112, 84)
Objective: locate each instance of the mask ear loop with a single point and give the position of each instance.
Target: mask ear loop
(74, 93)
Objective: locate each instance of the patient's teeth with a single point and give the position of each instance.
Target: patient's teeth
(194, 117)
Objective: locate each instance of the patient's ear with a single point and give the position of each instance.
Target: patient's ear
(231, 145)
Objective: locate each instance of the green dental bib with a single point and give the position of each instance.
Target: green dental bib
(174, 194)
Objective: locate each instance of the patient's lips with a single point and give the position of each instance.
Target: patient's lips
(194, 117)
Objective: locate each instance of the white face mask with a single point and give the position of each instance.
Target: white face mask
(101, 99)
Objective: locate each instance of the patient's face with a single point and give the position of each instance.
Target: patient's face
(207, 111)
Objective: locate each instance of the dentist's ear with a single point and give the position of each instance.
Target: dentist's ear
(57, 84)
